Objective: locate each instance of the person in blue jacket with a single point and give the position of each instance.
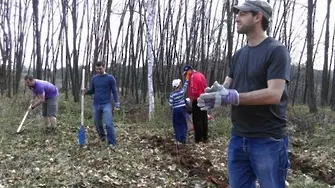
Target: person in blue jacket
(102, 86)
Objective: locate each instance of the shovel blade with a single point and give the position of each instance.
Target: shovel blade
(81, 136)
(20, 131)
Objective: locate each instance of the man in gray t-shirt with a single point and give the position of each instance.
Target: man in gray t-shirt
(256, 87)
(47, 94)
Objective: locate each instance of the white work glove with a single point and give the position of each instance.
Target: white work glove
(214, 88)
(217, 96)
(188, 103)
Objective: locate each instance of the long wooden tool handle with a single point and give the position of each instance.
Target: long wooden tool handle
(82, 99)
(24, 118)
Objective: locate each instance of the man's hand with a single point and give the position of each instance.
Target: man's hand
(219, 98)
(83, 91)
(117, 106)
(207, 101)
(41, 100)
(31, 103)
(188, 103)
(30, 108)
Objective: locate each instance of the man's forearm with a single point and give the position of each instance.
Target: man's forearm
(259, 97)
(115, 96)
(37, 103)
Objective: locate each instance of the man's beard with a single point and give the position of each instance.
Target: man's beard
(245, 29)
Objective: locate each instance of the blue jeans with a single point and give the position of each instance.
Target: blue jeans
(264, 159)
(104, 110)
(179, 124)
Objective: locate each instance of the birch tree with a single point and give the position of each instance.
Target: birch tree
(150, 56)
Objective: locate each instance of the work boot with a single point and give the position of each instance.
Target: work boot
(49, 130)
(112, 148)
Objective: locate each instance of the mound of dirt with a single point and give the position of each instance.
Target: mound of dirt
(319, 172)
(196, 166)
(187, 159)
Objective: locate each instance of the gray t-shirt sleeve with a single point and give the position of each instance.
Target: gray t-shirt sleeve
(279, 64)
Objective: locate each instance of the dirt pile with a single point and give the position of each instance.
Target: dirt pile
(319, 172)
(202, 167)
(187, 159)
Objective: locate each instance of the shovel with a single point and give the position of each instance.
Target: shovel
(24, 118)
(81, 133)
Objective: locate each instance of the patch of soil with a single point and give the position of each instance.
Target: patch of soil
(318, 172)
(187, 159)
(203, 168)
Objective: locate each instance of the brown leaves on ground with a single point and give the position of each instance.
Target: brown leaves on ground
(38, 159)
(189, 160)
(317, 163)
(146, 156)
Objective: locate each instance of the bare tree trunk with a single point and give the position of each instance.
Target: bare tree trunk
(286, 8)
(47, 67)
(203, 35)
(75, 80)
(290, 40)
(9, 52)
(297, 80)
(107, 31)
(325, 83)
(268, 32)
(332, 96)
(150, 18)
(19, 47)
(229, 36)
(309, 71)
(330, 76)
(37, 41)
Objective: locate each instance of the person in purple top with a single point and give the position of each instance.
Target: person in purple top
(47, 94)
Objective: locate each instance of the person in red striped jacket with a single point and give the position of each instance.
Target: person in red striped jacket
(197, 86)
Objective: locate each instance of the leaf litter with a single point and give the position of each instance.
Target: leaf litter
(145, 157)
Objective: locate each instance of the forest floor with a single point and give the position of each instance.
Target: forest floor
(146, 155)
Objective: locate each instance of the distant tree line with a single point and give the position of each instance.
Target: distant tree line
(70, 35)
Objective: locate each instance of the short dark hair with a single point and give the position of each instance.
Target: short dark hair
(186, 68)
(100, 64)
(29, 77)
(265, 22)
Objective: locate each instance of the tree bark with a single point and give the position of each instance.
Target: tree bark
(150, 23)
(311, 99)
(37, 40)
(325, 83)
